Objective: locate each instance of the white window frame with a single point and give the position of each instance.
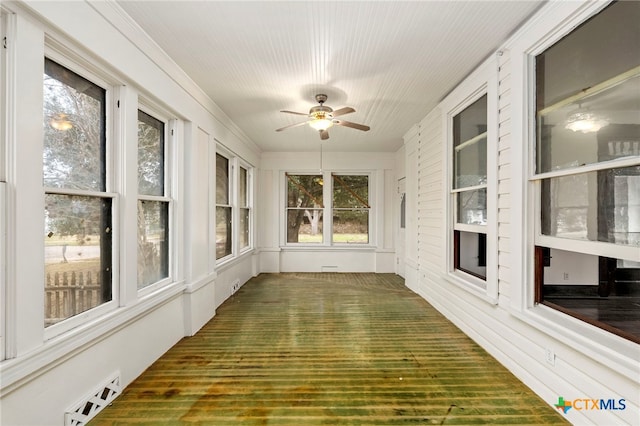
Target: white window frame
(61, 56)
(170, 135)
(327, 209)
(553, 22)
(482, 81)
(235, 162)
(249, 206)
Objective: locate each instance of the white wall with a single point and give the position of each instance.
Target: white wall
(585, 362)
(378, 256)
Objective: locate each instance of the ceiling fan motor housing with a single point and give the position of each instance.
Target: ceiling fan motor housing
(320, 111)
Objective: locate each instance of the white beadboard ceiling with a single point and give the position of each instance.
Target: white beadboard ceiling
(392, 61)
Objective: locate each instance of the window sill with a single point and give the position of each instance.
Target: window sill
(227, 262)
(600, 345)
(345, 247)
(471, 284)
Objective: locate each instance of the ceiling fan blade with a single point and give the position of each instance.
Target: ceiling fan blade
(290, 126)
(324, 134)
(296, 113)
(352, 125)
(343, 111)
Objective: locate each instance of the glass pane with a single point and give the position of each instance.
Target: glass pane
(471, 122)
(471, 256)
(150, 155)
(351, 226)
(574, 129)
(77, 255)
(223, 232)
(585, 57)
(470, 164)
(601, 289)
(350, 191)
(153, 242)
(244, 228)
(472, 207)
(607, 128)
(304, 190)
(74, 130)
(570, 210)
(304, 226)
(242, 188)
(222, 180)
(470, 145)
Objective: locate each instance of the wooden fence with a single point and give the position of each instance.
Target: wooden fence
(69, 293)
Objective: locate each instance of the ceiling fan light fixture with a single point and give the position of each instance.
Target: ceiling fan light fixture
(321, 123)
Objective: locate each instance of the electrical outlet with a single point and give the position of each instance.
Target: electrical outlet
(549, 356)
(566, 276)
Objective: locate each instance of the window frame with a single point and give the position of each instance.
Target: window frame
(327, 209)
(333, 209)
(537, 242)
(110, 192)
(170, 135)
(483, 81)
(553, 22)
(235, 163)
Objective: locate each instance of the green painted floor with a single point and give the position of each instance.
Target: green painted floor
(327, 349)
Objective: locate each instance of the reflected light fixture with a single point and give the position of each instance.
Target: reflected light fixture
(61, 122)
(585, 122)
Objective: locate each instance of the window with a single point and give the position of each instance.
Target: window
(223, 207)
(78, 206)
(305, 208)
(153, 203)
(244, 209)
(234, 215)
(469, 189)
(345, 217)
(587, 172)
(350, 209)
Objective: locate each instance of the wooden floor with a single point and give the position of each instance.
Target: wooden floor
(330, 349)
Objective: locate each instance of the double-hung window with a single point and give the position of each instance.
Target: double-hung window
(234, 201)
(153, 201)
(224, 236)
(244, 208)
(328, 208)
(78, 201)
(587, 172)
(469, 189)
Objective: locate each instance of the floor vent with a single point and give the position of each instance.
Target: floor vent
(87, 409)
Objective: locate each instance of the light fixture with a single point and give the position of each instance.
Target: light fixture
(321, 123)
(585, 122)
(61, 122)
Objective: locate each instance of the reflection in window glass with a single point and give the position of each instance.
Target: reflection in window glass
(150, 155)
(77, 255)
(74, 130)
(244, 228)
(588, 93)
(222, 180)
(471, 253)
(470, 145)
(472, 207)
(568, 210)
(153, 242)
(223, 232)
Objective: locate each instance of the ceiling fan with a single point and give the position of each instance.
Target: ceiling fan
(322, 117)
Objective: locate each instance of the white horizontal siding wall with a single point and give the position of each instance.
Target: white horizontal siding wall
(509, 330)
